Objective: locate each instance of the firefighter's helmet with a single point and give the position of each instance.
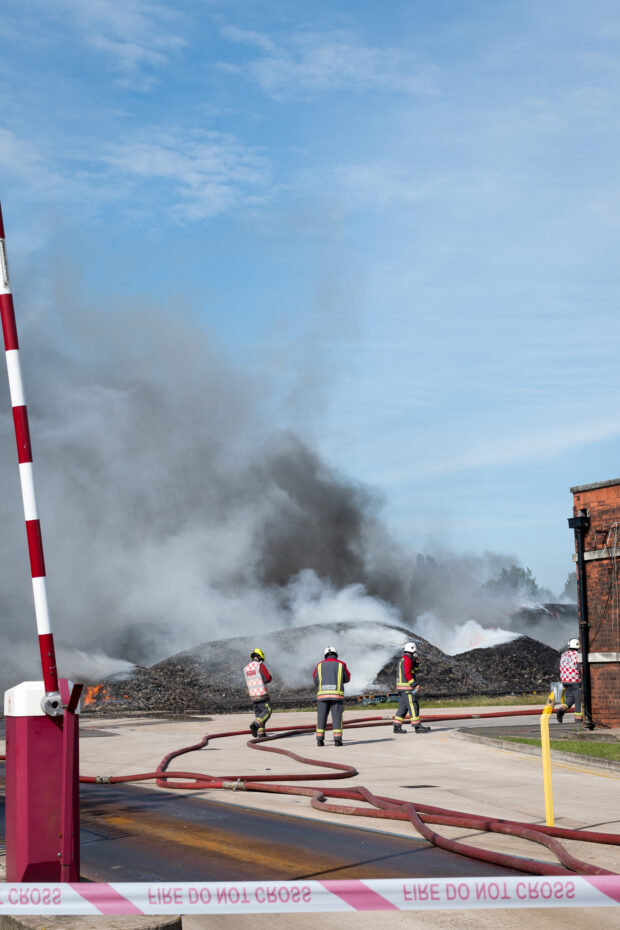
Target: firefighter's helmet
(330, 651)
(258, 654)
(573, 644)
(411, 648)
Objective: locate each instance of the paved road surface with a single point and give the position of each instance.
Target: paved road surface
(129, 834)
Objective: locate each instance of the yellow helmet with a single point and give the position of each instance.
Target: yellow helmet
(257, 654)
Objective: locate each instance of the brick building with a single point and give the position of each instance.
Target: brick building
(600, 502)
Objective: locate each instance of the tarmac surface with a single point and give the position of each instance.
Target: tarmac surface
(442, 768)
(153, 837)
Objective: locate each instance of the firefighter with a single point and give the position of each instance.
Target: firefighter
(408, 690)
(570, 676)
(257, 678)
(330, 677)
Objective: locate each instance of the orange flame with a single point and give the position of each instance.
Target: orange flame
(96, 694)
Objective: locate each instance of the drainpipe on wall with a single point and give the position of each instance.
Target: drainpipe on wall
(580, 524)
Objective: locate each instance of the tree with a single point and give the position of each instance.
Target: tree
(570, 588)
(511, 581)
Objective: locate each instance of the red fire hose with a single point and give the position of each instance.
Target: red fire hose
(419, 815)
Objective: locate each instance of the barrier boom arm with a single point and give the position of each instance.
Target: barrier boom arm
(51, 703)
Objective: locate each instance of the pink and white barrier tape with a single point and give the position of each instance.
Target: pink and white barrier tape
(394, 894)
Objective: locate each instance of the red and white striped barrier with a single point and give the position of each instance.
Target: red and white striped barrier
(24, 457)
(394, 894)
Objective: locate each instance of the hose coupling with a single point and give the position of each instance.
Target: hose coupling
(234, 785)
(102, 780)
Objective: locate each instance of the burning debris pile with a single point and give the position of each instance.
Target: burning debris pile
(521, 665)
(509, 668)
(553, 623)
(209, 678)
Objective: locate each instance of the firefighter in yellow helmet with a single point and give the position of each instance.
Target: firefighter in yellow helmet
(257, 678)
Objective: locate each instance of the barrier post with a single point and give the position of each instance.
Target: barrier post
(545, 747)
(42, 786)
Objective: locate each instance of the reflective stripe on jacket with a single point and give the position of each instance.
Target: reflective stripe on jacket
(407, 669)
(254, 680)
(330, 676)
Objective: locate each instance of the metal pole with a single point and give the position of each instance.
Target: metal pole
(580, 524)
(51, 703)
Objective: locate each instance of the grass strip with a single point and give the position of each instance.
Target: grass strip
(537, 698)
(580, 747)
(471, 700)
(484, 700)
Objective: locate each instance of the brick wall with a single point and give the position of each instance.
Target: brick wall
(601, 502)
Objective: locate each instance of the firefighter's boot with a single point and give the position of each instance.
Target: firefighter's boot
(420, 728)
(254, 729)
(398, 728)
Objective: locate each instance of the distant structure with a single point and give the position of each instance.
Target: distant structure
(596, 521)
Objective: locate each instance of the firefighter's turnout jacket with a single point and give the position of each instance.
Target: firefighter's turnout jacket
(407, 673)
(407, 687)
(570, 676)
(570, 672)
(330, 677)
(257, 678)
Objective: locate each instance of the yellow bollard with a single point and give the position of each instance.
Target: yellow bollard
(546, 758)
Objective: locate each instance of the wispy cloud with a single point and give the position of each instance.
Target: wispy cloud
(503, 447)
(21, 160)
(249, 37)
(456, 449)
(315, 62)
(133, 35)
(47, 176)
(206, 172)
(396, 182)
(197, 174)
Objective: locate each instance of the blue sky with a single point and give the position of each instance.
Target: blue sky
(404, 215)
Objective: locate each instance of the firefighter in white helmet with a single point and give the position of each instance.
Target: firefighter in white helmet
(570, 676)
(408, 690)
(257, 678)
(330, 677)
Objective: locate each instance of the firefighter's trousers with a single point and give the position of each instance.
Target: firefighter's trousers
(572, 695)
(262, 713)
(407, 704)
(323, 709)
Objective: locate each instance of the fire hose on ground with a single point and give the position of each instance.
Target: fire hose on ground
(419, 815)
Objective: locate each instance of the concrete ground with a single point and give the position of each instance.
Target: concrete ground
(438, 768)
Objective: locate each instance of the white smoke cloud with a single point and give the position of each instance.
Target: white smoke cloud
(90, 667)
(462, 636)
(173, 513)
(314, 601)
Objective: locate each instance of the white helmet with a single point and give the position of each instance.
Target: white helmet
(573, 644)
(330, 651)
(411, 648)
